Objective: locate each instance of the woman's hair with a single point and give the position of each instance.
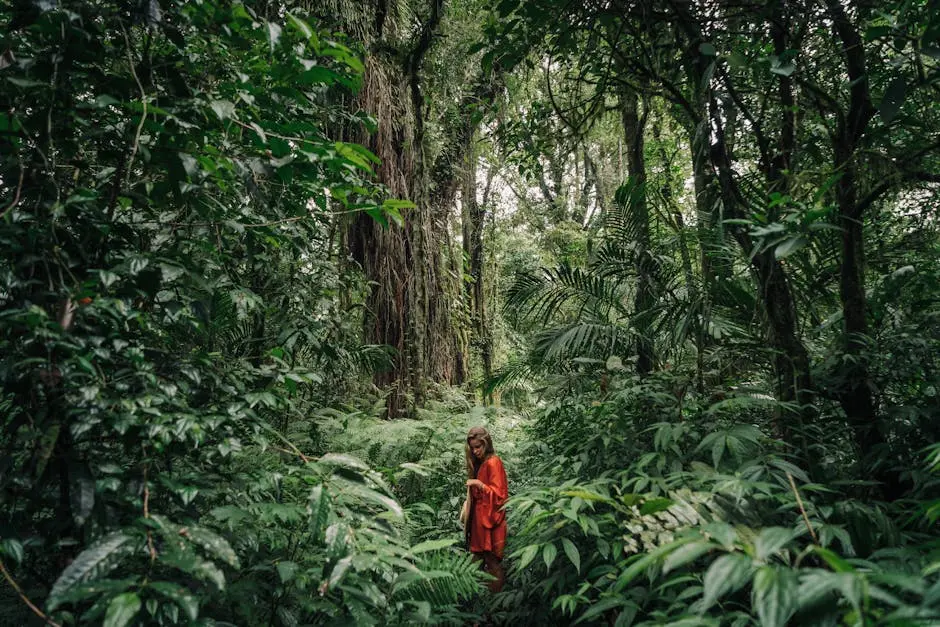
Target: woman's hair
(477, 433)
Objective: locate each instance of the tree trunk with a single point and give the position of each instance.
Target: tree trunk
(473, 251)
(688, 273)
(855, 397)
(791, 360)
(634, 126)
(793, 382)
(409, 305)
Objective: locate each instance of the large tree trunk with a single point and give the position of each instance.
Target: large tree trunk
(634, 126)
(409, 305)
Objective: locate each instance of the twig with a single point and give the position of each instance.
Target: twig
(284, 137)
(16, 195)
(143, 102)
(22, 595)
(150, 547)
(296, 452)
(799, 502)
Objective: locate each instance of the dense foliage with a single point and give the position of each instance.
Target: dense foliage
(263, 264)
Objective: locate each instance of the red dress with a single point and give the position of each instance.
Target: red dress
(487, 524)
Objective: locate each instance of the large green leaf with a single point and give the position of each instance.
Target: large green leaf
(180, 595)
(892, 99)
(725, 575)
(774, 595)
(770, 541)
(213, 544)
(572, 552)
(93, 562)
(122, 610)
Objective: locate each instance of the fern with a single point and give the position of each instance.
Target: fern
(442, 578)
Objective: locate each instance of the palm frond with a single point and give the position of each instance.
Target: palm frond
(580, 339)
(544, 295)
(511, 374)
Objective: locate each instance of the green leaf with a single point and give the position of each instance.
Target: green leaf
(395, 216)
(572, 552)
(213, 544)
(782, 69)
(395, 203)
(286, 570)
(25, 83)
(319, 509)
(432, 545)
(771, 540)
(342, 54)
(179, 595)
(726, 574)
(638, 563)
(599, 607)
(528, 554)
(338, 459)
(122, 610)
(549, 552)
(789, 246)
(223, 108)
(350, 488)
(94, 561)
(835, 562)
(774, 595)
(685, 554)
(652, 506)
(274, 34)
(893, 99)
(302, 27)
(357, 155)
(12, 548)
(339, 571)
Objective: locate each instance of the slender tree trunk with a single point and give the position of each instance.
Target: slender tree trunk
(634, 126)
(856, 396)
(691, 282)
(473, 247)
(791, 360)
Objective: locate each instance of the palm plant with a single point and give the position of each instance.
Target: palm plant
(587, 314)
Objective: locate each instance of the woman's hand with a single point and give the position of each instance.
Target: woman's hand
(475, 483)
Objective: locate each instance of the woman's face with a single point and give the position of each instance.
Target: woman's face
(477, 448)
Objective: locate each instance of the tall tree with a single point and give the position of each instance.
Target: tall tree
(412, 300)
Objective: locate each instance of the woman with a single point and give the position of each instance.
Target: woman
(486, 520)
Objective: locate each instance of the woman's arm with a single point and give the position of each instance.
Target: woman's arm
(493, 481)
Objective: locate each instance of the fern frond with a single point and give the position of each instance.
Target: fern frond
(442, 578)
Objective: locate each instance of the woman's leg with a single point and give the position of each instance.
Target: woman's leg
(494, 566)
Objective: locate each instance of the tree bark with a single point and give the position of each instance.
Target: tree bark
(856, 396)
(634, 126)
(793, 382)
(473, 251)
(409, 304)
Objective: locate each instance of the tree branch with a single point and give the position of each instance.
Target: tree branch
(24, 598)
